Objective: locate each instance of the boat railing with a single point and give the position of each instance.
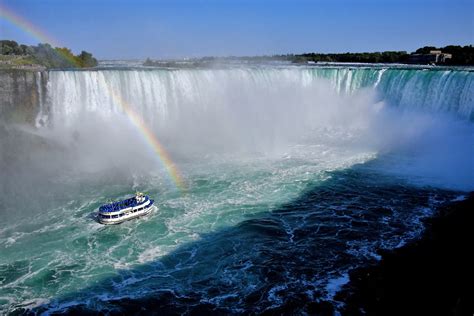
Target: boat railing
(117, 206)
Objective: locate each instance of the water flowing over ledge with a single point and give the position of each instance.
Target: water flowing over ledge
(161, 94)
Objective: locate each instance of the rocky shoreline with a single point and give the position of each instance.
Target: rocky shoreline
(431, 276)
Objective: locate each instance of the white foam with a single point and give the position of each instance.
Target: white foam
(335, 285)
(459, 198)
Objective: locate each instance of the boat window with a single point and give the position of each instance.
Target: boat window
(114, 216)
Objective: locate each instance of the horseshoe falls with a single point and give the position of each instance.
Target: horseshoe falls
(293, 176)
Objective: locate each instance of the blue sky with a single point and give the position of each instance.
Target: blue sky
(185, 28)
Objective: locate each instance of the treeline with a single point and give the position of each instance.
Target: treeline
(461, 55)
(47, 56)
(377, 57)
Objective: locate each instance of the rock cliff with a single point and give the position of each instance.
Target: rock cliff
(22, 92)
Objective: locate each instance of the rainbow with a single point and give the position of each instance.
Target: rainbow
(32, 30)
(150, 139)
(25, 26)
(136, 120)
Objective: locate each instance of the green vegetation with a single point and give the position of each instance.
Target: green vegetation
(460, 56)
(13, 54)
(377, 57)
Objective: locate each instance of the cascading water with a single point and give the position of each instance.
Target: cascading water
(157, 92)
(294, 175)
(429, 90)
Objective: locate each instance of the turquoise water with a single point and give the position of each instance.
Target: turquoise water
(294, 176)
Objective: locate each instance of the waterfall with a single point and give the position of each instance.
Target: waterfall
(412, 89)
(431, 90)
(162, 96)
(42, 116)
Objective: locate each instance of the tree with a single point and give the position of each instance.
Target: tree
(86, 60)
(425, 50)
(8, 47)
(66, 58)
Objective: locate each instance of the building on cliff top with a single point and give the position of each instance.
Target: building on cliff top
(433, 57)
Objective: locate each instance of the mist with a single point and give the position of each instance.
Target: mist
(241, 112)
(224, 115)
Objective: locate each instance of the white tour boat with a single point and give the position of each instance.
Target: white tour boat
(118, 212)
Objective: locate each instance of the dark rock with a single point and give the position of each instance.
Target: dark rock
(20, 95)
